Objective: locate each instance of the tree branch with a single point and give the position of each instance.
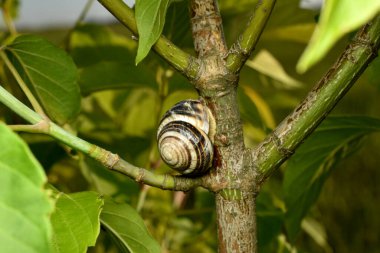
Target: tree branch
(295, 128)
(246, 42)
(106, 158)
(206, 25)
(180, 60)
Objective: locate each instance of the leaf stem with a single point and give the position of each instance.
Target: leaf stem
(84, 12)
(8, 20)
(295, 128)
(246, 42)
(36, 106)
(180, 60)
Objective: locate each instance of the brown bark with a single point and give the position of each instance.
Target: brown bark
(235, 200)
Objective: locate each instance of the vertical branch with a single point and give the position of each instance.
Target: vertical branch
(207, 28)
(235, 198)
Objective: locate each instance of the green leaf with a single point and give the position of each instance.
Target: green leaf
(269, 220)
(338, 18)
(150, 20)
(50, 74)
(265, 63)
(91, 44)
(76, 221)
(312, 163)
(114, 75)
(106, 60)
(177, 25)
(24, 204)
(127, 228)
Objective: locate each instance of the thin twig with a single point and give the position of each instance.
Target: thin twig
(246, 42)
(8, 20)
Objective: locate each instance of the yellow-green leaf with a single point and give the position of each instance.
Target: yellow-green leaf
(338, 18)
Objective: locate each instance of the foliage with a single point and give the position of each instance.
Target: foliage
(97, 92)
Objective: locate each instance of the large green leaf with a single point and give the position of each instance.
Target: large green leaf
(114, 75)
(312, 163)
(24, 204)
(127, 228)
(50, 74)
(338, 18)
(150, 20)
(177, 26)
(106, 60)
(269, 220)
(76, 222)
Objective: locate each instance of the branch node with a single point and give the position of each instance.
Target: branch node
(285, 152)
(140, 176)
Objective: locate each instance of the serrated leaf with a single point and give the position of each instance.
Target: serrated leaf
(338, 18)
(312, 163)
(24, 204)
(150, 20)
(127, 228)
(50, 74)
(76, 222)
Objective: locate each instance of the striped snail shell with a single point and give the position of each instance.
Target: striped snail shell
(185, 136)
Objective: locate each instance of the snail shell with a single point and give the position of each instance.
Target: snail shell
(185, 136)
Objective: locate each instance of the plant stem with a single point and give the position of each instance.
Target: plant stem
(295, 128)
(206, 25)
(84, 12)
(19, 108)
(235, 198)
(246, 42)
(180, 60)
(8, 19)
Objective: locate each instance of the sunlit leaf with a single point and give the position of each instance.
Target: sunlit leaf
(308, 169)
(265, 63)
(24, 204)
(338, 18)
(76, 222)
(127, 228)
(261, 106)
(317, 232)
(299, 33)
(50, 74)
(150, 20)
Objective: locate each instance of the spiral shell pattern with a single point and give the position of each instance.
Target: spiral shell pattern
(183, 137)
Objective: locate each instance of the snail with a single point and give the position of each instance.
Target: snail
(185, 136)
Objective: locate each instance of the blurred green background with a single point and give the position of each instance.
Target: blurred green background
(122, 104)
